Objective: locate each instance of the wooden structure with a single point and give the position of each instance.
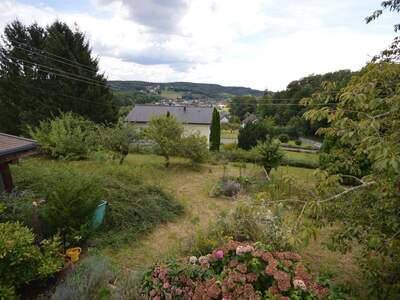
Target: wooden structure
(11, 149)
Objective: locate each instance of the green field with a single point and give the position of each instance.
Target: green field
(309, 157)
(170, 94)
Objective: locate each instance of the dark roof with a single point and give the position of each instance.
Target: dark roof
(249, 119)
(184, 114)
(10, 145)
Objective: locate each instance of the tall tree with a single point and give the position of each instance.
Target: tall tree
(366, 121)
(242, 105)
(393, 52)
(215, 131)
(46, 71)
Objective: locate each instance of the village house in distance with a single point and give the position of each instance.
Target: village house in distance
(194, 119)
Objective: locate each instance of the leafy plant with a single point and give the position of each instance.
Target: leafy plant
(365, 118)
(166, 132)
(22, 261)
(284, 138)
(71, 200)
(67, 137)
(117, 139)
(90, 280)
(234, 271)
(194, 147)
(271, 155)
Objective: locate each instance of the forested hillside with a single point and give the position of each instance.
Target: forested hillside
(205, 89)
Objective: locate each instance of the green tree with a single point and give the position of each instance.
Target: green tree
(366, 118)
(270, 155)
(46, 71)
(252, 133)
(215, 131)
(242, 105)
(119, 138)
(166, 132)
(393, 52)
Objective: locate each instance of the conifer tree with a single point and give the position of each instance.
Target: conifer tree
(215, 132)
(45, 71)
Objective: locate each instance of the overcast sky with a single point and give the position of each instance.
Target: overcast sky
(263, 44)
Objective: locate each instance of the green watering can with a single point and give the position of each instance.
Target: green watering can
(99, 213)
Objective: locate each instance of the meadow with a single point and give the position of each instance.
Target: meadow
(167, 232)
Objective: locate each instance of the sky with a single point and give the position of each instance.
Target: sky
(262, 44)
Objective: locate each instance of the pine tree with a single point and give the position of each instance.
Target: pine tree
(48, 70)
(215, 132)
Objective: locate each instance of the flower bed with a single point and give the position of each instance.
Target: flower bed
(235, 271)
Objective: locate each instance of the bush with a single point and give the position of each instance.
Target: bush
(271, 155)
(235, 271)
(72, 198)
(298, 142)
(21, 261)
(195, 148)
(67, 137)
(118, 139)
(252, 133)
(300, 163)
(225, 187)
(240, 155)
(284, 138)
(229, 147)
(248, 222)
(90, 280)
(135, 209)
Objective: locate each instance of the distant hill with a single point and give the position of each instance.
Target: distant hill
(199, 89)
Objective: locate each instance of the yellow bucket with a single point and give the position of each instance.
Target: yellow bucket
(73, 253)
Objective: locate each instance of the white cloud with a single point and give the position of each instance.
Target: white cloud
(257, 43)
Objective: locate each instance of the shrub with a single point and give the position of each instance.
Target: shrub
(271, 155)
(166, 132)
(229, 147)
(248, 222)
(21, 261)
(67, 137)
(71, 200)
(90, 280)
(225, 187)
(298, 142)
(252, 133)
(194, 147)
(118, 139)
(235, 271)
(284, 138)
(240, 155)
(300, 163)
(135, 209)
(17, 207)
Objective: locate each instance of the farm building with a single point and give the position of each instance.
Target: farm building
(11, 149)
(194, 119)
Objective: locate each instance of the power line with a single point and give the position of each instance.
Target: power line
(57, 74)
(97, 82)
(52, 54)
(62, 95)
(54, 59)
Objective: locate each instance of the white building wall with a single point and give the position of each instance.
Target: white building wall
(203, 130)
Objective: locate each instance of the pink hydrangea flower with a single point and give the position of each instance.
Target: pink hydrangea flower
(219, 254)
(299, 284)
(193, 260)
(244, 249)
